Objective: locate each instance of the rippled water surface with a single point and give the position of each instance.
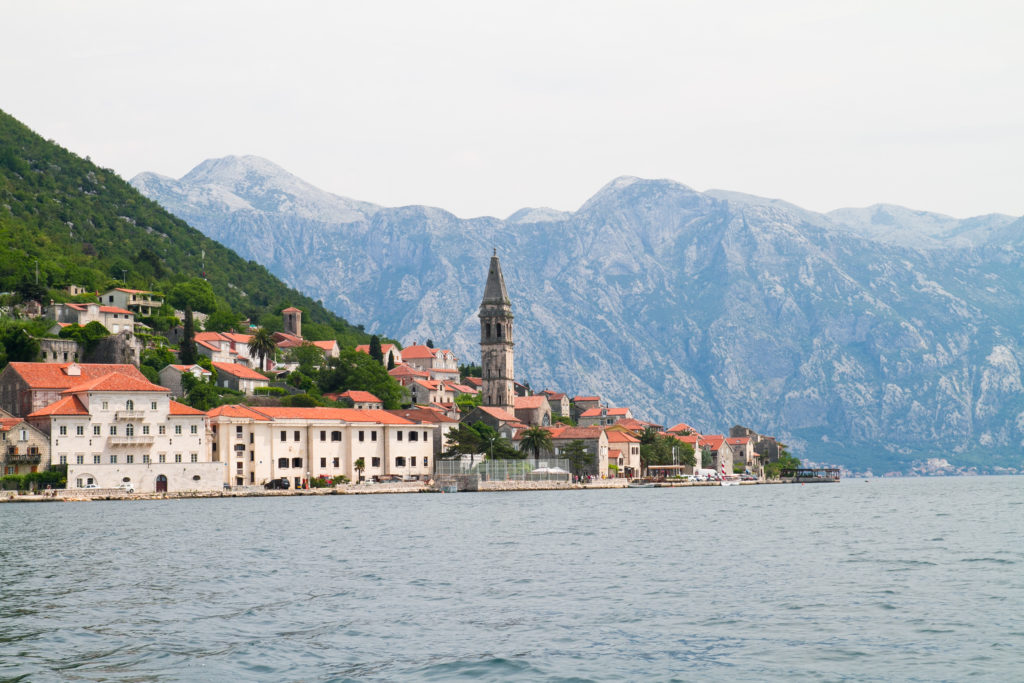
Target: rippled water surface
(881, 580)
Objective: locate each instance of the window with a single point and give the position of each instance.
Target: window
(95, 430)
(177, 457)
(145, 458)
(238, 466)
(335, 436)
(129, 430)
(113, 460)
(129, 405)
(424, 435)
(95, 460)
(162, 457)
(145, 429)
(251, 437)
(252, 456)
(104, 405)
(79, 459)
(194, 457)
(337, 462)
(63, 430)
(323, 462)
(425, 463)
(177, 429)
(282, 462)
(412, 461)
(194, 429)
(296, 462)
(238, 431)
(113, 430)
(413, 436)
(374, 462)
(152, 405)
(63, 460)
(373, 436)
(323, 435)
(129, 459)
(362, 435)
(161, 430)
(79, 431)
(399, 434)
(284, 435)
(239, 449)
(295, 435)
(399, 461)
(497, 329)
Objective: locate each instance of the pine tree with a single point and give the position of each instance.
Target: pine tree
(187, 352)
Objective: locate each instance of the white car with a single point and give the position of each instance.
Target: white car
(126, 486)
(93, 485)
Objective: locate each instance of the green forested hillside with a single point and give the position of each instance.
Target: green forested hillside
(82, 224)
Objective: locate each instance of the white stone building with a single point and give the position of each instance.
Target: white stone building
(117, 429)
(264, 443)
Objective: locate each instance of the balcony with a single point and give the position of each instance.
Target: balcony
(129, 415)
(136, 440)
(30, 458)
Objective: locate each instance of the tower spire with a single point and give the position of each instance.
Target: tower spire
(496, 341)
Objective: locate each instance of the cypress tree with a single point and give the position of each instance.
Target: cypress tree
(375, 351)
(187, 352)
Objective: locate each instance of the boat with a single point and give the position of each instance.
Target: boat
(728, 479)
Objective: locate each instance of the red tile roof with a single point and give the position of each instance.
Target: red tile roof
(714, 441)
(418, 351)
(499, 414)
(576, 433)
(239, 371)
(404, 370)
(237, 411)
(682, 427)
(359, 396)
(114, 309)
(54, 375)
(342, 414)
(617, 411)
(586, 398)
(69, 405)
(738, 440)
(475, 381)
(615, 436)
(115, 381)
(591, 412)
(292, 309)
(132, 291)
(530, 402)
(182, 409)
(429, 415)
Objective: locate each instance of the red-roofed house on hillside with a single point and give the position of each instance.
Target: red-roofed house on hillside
(114, 318)
(264, 443)
(504, 422)
(170, 377)
(720, 450)
(743, 452)
(405, 374)
(629, 448)
(117, 428)
(602, 417)
(240, 378)
(425, 391)
(533, 410)
(558, 401)
(581, 404)
(139, 301)
(392, 355)
(25, 449)
(438, 363)
(26, 387)
(360, 400)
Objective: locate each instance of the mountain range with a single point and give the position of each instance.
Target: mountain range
(875, 337)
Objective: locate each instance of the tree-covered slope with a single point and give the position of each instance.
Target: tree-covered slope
(82, 224)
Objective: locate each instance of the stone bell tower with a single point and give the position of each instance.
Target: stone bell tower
(496, 355)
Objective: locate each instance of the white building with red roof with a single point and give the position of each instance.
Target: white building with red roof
(26, 387)
(360, 400)
(628, 446)
(260, 444)
(602, 416)
(593, 439)
(114, 318)
(139, 301)
(117, 430)
(240, 378)
(392, 355)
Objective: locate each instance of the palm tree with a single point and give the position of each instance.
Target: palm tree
(360, 466)
(262, 344)
(536, 439)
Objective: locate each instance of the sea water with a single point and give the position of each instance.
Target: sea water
(912, 579)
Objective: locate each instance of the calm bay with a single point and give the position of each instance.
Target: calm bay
(886, 579)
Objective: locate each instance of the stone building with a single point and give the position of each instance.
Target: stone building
(27, 387)
(25, 448)
(496, 342)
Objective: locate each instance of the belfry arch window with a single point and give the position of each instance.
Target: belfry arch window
(497, 327)
(487, 330)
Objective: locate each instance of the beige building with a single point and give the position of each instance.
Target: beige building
(139, 301)
(595, 443)
(25, 448)
(264, 443)
(628, 447)
(117, 430)
(114, 318)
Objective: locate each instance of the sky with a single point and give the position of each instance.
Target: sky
(485, 108)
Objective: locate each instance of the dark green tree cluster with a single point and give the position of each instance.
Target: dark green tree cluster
(358, 371)
(88, 337)
(785, 462)
(479, 438)
(661, 449)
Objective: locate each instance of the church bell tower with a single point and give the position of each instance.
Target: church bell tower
(496, 356)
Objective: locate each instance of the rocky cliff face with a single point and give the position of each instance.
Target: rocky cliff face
(870, 337)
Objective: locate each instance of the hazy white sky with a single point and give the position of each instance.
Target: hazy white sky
(483, 108)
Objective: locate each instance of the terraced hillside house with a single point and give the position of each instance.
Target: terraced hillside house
(114, 318)
(139, 301)
(628, 448)
(261, 443)
(171, 377)
(439, 364)
(533, 410)
(27, 387)
(391, 355)
(25, 448)
(117, 429)
(240, 378)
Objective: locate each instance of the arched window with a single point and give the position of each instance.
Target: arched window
(497, 327)
(129, 405)
(129, 429)
(487, 328)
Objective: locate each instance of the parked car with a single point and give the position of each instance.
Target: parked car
(747, 477)
(281, 483)
(126, 486)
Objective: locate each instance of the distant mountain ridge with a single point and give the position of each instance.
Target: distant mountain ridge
(872, 337)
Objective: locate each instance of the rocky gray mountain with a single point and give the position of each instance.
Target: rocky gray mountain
(870, 337)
